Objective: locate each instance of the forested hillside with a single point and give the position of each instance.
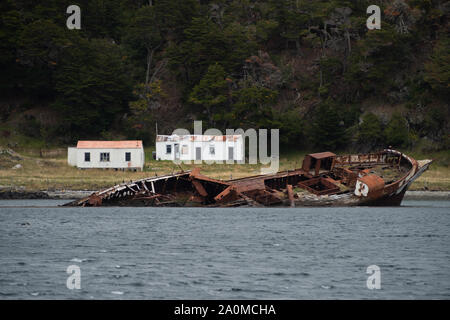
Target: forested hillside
(310, 68)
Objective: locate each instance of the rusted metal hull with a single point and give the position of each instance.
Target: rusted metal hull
(377, 179)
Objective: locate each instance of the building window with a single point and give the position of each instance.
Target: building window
(127, 156)
(184, 149)
(104, 156)
(212, 150)
(168, 148)
(87, 157)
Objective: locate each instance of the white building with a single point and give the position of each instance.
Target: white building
(200, 147)
(107, 154)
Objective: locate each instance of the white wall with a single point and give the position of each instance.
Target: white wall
(221, 150)
(116, 158)
(72, 156)
(161, 151)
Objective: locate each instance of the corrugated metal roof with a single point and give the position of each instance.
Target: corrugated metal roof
(124, 144)
(162, 138)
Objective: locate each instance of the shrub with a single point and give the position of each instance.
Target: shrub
(397, 131)
(370, 132)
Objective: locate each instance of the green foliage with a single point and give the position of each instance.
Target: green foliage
(291, 125)
(206, 44)
(331, 67)
(381, 53)
(397, 132)
(144, 30)
(142, 120)
(370, 133)
(253, 108)
(102, 19)
(233, 63)
(211, 94)
(438, 68)
(92, 87)
(435, 122)
(10, 24)
(265, 30)
(176, 16)
(328, 130)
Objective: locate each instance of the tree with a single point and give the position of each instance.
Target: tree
(370, 133)
(401, 15)
(176, 16)
(144, 38)
(396, 132)
(211, 93)
(293, 22)
(381, 53)
(103, 19)
(291, 125)
(92, 87)
(296, 65)
(253, 107)
(142, 117)
(206, 43)
(40, 50)
(11, 25)
(327, 129)
(438, 68)
(203, 45)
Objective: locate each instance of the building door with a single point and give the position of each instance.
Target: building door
(230, 153)
(177, 151)
(198, 153)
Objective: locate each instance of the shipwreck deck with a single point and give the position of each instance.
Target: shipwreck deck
(324, 179)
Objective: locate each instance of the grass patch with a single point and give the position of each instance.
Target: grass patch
(55, 174)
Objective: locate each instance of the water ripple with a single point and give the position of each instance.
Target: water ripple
(236, 253)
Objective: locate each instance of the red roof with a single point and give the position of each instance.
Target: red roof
(124, 144)
(321, 155)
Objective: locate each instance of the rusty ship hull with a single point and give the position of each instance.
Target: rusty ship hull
(325, 179)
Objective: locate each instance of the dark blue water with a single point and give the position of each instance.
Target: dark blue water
(189, 253)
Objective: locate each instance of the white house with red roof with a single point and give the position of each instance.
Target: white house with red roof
(126, 154)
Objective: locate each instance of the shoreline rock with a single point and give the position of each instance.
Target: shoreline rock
(22, 194)
(69, 194)
(427, 195)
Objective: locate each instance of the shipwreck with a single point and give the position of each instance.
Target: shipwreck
(325, 179)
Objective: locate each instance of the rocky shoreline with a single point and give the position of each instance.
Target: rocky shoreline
(18, 194)
(22, 194)
(427, 195)
(10, 194)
